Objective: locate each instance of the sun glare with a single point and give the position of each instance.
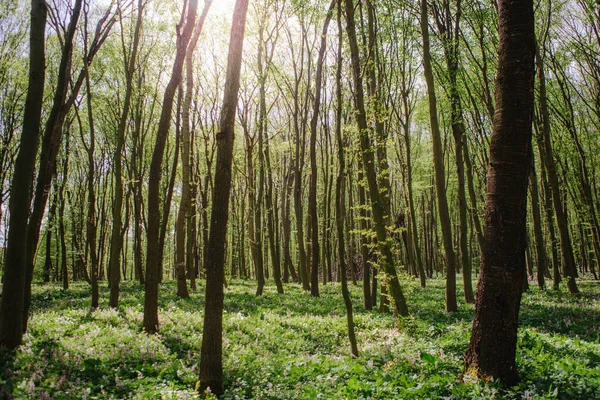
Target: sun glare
(221, 7)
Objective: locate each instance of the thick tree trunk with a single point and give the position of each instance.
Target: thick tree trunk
(12, 313)
(492, 347)
(211, 358)
(61, 104)
(49, 151)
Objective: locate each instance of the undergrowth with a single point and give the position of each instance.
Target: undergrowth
(293, 346)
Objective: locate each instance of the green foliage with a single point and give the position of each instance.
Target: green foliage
(294, 346)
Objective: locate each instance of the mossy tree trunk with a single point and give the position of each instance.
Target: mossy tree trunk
(378, 209)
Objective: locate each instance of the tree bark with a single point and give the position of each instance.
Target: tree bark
(340, 190)
(288, 266)
(153, 252)
(537, 228)
(116, 238)
(550, 164)
(450, 31)
(492, 347)
(312, 192)
(61, 104)
(14, 279)
(91, 231)
(438, 162)
(211, 357)
(184, 205)
(377, 203)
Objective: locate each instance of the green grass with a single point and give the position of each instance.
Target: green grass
(293, 346)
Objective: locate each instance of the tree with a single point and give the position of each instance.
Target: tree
(377, 203)
(340, 202)
(547, 156)
(153, 253)
(183, 214)
(116, 237)
(449, 30)
(438, 162)
(312, 193)
(13, 288)
(53, 130)
(492, 347)
(211, 356)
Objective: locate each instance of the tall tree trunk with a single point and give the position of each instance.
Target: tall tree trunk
(137, 182)
(61, 217)
(153, 253)
(169, 189)
(191, 235)
(378, 209)
(493, 343)
(288, 266)
(272, 221)
(12, 303)
(364, 244)
(53, 134)
(116, 238)
(184, 205)
(262, 127)
(537, 227)
(407, 111)
(48, 154)
(91, 231)
(549, 214)
(438, 163)
(300, 141)
(211, 357)
(340, 190)
(312, 192)
(450, 33)
(550, 164)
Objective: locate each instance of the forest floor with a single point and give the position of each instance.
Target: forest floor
(293, 346)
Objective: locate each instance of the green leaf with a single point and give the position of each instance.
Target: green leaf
(428, 358)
